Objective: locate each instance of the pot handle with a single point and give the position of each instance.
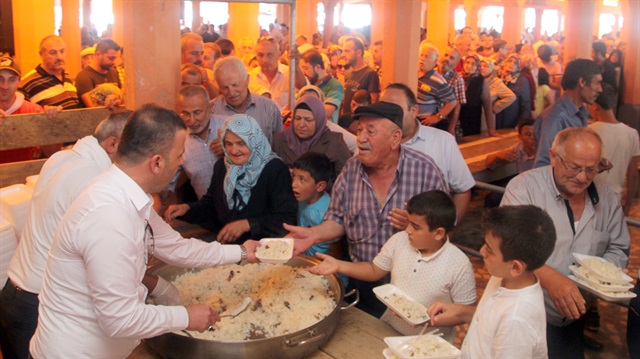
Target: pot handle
(352, 292)
(312, 336)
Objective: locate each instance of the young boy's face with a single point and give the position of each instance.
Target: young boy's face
(305, 187)
(526, 136)
(420, 235)
(493, 259)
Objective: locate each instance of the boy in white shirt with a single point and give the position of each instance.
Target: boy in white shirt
(509, 321)
(422, 261)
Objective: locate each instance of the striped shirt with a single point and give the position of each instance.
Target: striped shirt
(45, 89)
(263, 110)
(433, 93)
(457, 85)
(354, 204)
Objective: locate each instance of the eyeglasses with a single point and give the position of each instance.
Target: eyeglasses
(346, 67)
(148, 230)
(575, 170)
(269, 38)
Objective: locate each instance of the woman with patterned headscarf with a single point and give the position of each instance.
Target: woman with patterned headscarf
(521, 108)
(250, 194)
(478, 96)
(309, 133)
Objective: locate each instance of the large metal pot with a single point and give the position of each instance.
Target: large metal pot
(294, 345)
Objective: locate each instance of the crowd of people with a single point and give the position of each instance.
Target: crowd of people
(367, 177)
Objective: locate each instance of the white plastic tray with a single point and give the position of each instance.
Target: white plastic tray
(395, 344)
(580, 258)
(622, 297)
(598, 285)
(388, 289)
(264, 241)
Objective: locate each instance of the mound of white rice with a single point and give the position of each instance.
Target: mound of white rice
(284, 299)
(274, 250)
(604, 268)
(431, 346)
(410, 309)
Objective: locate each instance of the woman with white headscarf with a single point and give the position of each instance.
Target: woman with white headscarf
(250, 194)
(521, 108)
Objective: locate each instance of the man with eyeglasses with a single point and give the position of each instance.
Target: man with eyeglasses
(273, 75)
(589, 220)
(582, 83)
(92, 302)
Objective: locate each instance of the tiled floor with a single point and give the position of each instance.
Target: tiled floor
(613, 322)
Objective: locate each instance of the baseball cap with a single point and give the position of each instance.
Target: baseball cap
(8, 63)
(88, 51)
(382, 109)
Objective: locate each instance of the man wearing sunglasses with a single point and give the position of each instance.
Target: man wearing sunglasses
(589, 220)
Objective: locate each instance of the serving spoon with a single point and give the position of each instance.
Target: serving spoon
(241, 309)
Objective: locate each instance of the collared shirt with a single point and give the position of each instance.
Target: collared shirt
(562, 114)
(508, 323)
(263, 110)
(444, 276)
(457, 85)
(433, 93)
(441, 146)
(279, 87)
(199, 159)
(61, 180)
(524, 161)
(601, 232)
(46, 89)
(92, 299)
(355, 207)
(333, 94)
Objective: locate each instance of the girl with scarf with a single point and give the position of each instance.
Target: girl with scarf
(309, 133)
(250, 194)
(478, 96)
(521, 108)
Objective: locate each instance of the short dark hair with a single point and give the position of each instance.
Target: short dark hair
(600, 48)
(524, 122)
(408, 93)
(498, 44)
(150, 130)
(579, 69)
(103, 46)
(436, 207)
(362, 97)
(543, 77)
(317, 164)
(545, 52)
(357, 43)
(378, 43)
(607, 98)
(226, 46)
(313, 57)
(526, 233)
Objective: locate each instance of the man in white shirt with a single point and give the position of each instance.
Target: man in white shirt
(439, 145)
(92, 299)
(61, 180)
(271, 73)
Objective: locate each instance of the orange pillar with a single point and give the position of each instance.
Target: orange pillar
(629, 112)
(71, 36)
(283, 14)
(243, 21)
(400, 54)
(537, 31)
(437, 24)
(580, 15)
(329, 9)
(377, 20)
(32, 21)
(155, 44)
(118, 22)
(513, 22)
(86, 14)
(306, 18)
(471, 10)
(196, 21)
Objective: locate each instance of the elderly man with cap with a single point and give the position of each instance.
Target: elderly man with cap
(367, 205)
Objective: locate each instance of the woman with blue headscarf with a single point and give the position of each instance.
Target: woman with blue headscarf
(250, 194)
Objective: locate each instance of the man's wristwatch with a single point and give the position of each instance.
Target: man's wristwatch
(243, 254)
(440, 117)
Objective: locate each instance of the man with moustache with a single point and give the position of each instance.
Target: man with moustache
(589, 220)
(48, 84)
(360, 76)
(312, 67)
(450, 57)
(192, 52)
(367, 205)
(101, 70)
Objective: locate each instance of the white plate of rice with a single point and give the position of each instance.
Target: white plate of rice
(622, 298)
(427, 346)
(604, 270)
(586, 275)
(275, 250)
(402, 304)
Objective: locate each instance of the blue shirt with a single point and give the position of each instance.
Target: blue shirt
(310, 215)
(563, 114)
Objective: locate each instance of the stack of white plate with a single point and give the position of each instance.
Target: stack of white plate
(14, 205)
(8, 244)
(31, 182)
(601, 278)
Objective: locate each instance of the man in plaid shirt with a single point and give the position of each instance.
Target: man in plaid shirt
(446, 67)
